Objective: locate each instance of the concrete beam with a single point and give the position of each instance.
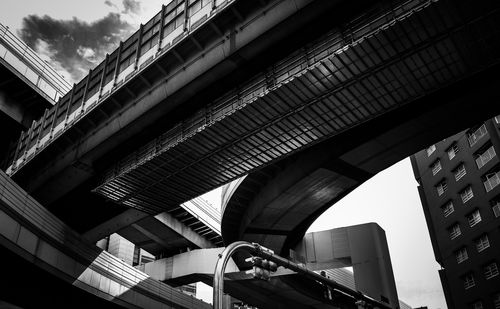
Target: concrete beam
(113, 225)
(199, 262)
(133, 217)
(150, 235)
(180, 228)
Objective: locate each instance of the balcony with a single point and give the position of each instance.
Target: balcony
(475, 136)
(485, 157)
(492, 180)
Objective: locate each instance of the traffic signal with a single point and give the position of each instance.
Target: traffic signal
(262, 268)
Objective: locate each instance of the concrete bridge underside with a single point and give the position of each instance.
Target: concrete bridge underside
(69, 166)
(415, 58)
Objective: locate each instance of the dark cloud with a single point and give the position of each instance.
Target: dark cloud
(131, 6)
(74, 45)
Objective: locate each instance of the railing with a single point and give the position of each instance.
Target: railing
(441, 188)
(469, 282)
(496, 209)
(467, 194)
(460, 172)
(29, 64)
(485, 157)
(203, 211)
(448, 209)
(477, 135)
(436, 167)
(492, 180)
(482, 243)
(474, 218)
(219, 109)
(153, 39)
(455, 232)
(462, 255)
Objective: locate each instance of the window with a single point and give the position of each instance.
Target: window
(477, 135)
(466, 194)
(461, 255)
(485, 156)
(491, 270)
(448, 208)
(468, 281)
(431, 150)
(441, 187)
(496, 208)
(482, 243)
(491, 181)
(474, 217)
(459, 172)
(477, 305)
(496, 301)
(436, 167)
(454, 231)
(194, 7)
(452, 151)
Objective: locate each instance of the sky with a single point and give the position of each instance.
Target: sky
(75, 36)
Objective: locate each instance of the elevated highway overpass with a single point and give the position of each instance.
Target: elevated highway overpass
(45, 252)
(28, 87)
(231, 102)
(340, 90)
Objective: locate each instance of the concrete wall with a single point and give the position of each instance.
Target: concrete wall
(364, 247)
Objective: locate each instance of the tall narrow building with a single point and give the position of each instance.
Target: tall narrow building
(459, 186)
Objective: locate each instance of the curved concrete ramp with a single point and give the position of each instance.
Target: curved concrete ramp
(29, 231)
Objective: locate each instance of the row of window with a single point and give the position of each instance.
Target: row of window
(490, 271)
(473, 137)
(466, 194)
(481, 159)
(473, 218)
(490, 181)
(448, 208)
(481, 244)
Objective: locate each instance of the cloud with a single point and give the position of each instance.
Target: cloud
(73, 45)
(131, 7)
(110, 4)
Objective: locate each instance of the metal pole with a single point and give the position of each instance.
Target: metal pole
(221, 266)
(263, 252)
(300, 269)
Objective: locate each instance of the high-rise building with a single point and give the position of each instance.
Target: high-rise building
(459, 186)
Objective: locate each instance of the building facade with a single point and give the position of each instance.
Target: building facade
(459, 186)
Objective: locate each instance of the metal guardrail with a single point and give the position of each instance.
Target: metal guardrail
(203, 211)
(30, 65)
(27, 147)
